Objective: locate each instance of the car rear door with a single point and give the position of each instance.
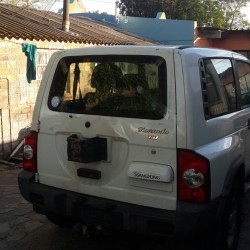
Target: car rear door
(108, 125)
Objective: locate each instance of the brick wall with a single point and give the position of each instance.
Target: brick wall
(17, 96)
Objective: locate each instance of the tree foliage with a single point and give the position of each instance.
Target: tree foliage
(210, 13)
(233, 16)
(38, 4)
(140, 8)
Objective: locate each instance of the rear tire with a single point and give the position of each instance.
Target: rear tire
(232, 218)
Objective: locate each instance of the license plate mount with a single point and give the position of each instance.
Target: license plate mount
(86, 150)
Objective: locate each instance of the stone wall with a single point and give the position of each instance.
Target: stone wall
(17, 96)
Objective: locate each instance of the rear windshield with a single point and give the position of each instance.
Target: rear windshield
(123, 86)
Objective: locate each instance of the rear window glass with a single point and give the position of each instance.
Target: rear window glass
(123, 86)
(219, 90)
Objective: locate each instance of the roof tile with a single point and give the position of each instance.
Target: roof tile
(33, 24)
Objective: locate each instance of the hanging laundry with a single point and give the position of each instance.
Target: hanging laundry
(30, 52)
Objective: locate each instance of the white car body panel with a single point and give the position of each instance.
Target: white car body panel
(138, 144)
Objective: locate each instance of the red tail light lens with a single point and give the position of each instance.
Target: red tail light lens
(193, 176)
(30, 152)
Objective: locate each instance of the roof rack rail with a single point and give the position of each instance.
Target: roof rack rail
(185, 46)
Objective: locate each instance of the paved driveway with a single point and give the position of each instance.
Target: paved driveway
(22, 229)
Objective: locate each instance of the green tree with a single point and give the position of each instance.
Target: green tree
(209, 13)
(140, 8)
(234, 19)
(206, 12)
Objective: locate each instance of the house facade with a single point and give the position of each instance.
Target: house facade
(40, 30)
(16, 94)
(178, 32)
(235, 40)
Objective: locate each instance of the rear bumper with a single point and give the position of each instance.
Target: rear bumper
(188, 220)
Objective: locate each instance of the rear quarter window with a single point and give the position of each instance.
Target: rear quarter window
(218, 86)
(123, 86)
(243, 71)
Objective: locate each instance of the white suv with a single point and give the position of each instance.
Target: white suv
(150, 139)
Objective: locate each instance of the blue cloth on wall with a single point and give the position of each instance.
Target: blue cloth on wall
(30, 52)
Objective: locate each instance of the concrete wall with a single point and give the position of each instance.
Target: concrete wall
(230, 40)
(173, 32)
(235, 41)
(17, 96)
(76, 6)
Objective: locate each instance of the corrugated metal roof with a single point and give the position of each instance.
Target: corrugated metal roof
(33, 24)
(247, 30)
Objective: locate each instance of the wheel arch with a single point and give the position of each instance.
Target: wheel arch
(236, 172)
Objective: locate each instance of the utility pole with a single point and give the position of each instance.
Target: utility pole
(65, 22)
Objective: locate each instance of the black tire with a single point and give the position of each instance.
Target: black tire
(232, 218)
(60, 220)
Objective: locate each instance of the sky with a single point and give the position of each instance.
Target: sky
(103, 5)
(246, 11)
(109, 6)
(92, 5)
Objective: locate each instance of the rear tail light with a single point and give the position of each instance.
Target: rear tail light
(30, 152)
(193, 176)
